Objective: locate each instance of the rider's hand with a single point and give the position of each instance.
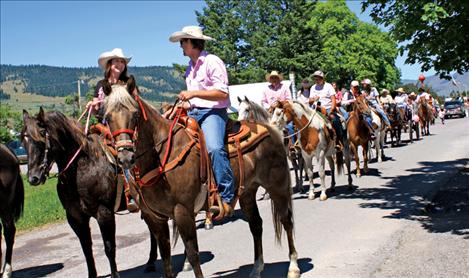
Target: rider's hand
(186, 95)
(94, 103)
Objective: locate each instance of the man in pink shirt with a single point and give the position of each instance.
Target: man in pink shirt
(276, 91)
(207, 92)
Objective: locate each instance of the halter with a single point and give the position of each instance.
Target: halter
(46, 165)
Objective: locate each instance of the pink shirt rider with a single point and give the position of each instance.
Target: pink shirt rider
(208, 73)
(272, 94)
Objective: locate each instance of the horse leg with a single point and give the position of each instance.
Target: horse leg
(310, 173)
(1, 253)
(332, 166)
(107, 225)
(347, 164)
(377, 146)
(365, 156)
(185, 222)
(81, 227)
(357, 159)
(322, 174)
(150, 265)
(283, 209)
(9, 232)
(251, 211)
(381, 145)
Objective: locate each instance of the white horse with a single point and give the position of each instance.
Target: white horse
(316, 140)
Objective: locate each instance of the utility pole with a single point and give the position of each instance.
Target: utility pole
(291, 76)
(79, 95)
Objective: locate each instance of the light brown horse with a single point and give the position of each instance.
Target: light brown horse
(425, 116)
(358, 135)
(179, 193)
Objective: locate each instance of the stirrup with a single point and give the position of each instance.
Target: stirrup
(132, 206)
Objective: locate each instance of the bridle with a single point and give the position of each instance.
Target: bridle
(46, 165)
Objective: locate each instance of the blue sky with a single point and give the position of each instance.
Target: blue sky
(74, 33)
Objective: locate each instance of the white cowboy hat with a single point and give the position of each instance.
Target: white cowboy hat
(354, 83)
(273, 73)
(189, 32)
(108, 55)
(366, 81)
(384, 91)
(318, 73)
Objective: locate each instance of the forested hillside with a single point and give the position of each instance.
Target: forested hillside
(156, 82)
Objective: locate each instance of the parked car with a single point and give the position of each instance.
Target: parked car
(19, 151)
(454, 109)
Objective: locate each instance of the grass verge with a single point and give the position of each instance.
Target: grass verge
(41, 205)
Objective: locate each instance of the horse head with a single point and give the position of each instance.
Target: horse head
(35, 139)
(360, 105)
(244, 110)
(122, 114)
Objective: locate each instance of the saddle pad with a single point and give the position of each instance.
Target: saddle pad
(250, 134)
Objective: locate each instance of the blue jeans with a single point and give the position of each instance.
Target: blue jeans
(337, 125)
(381, 112)
(343, 112)
(291, 130)
(213, 123)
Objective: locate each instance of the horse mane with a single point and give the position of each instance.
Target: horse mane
(120, 98)
(259, 113)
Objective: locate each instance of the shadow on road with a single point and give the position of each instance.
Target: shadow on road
(176, 260)
(279, 269)
(406, 196)
(38, 271)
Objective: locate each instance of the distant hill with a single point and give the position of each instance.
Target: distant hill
(444, 87)
(157, 83)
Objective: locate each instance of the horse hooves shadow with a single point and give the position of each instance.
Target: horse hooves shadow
(279, 269)
(38, 271)
(177, 262)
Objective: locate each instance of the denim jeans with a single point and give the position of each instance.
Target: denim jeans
(337, 126)
(213, 123)
(381, 112)
(291, 130)
(344, 113)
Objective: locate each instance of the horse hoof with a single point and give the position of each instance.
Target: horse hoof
(187, 267)
(311, 196)
(323, 197)
(208, 226)
(149, 268)
(7, 271)
(293, 273)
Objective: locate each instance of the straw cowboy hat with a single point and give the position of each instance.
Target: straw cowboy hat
(108, 55)
(384, 91)
(273, 73)
(189, 32)
(412, 94)
(400, 90)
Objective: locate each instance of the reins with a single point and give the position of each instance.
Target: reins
(303, 128)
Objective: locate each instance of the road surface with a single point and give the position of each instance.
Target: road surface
(377, 230)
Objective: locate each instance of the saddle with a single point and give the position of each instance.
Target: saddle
(240, 138)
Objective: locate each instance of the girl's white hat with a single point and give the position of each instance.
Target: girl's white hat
(108, 55)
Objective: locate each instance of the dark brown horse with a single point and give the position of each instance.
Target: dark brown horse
(396, 117)
(11, 202)
(87, 188)
(179, 193)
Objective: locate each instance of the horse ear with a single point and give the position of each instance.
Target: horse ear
(239, 99)
(25, 115)
(41, 115)
(246, 99)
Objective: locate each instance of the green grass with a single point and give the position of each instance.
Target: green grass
(41, 205)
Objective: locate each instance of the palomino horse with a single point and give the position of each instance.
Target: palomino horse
(316, 140)
(425, 115)
(11, 203)
(176, 191)
(249, 110)
(379, 128)
(87, 181)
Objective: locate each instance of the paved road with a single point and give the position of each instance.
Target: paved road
(352, 234)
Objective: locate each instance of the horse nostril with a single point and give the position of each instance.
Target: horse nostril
(33, 180)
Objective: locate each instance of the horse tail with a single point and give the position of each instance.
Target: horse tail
(340, 161)
(18, 199)
(175, 234)
(278, 211)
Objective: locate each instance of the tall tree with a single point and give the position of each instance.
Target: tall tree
(352, 49)
(433, 32)
(254, 37)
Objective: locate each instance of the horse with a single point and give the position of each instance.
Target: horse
(316, 138)
(358, 135)
(379, 129)
(176, 191)
(249, 110)
(11, 203)
(86, 183)
(396, 118)
(425, 114)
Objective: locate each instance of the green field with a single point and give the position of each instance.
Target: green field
(41, 205)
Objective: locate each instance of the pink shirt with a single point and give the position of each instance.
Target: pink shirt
(272, 94)
(208, 73)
